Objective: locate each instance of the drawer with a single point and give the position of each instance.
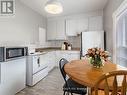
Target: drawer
(39, 76)
(39, 68)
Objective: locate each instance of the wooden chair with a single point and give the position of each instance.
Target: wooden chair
(112, 83)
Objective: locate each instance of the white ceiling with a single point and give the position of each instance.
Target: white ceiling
(69, 6)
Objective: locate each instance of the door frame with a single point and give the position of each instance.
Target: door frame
(116, 16)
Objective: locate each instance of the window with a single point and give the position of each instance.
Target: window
(122, 41)
(124, 33)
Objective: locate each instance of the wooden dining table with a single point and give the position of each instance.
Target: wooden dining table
(84, 73)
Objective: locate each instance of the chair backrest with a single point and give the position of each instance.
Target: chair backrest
(113, 83)
(62, 62)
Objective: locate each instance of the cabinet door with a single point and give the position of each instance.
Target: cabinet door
(82, 25)
(51, 29)
(48, 59)
(13, 76)
(60, 34)
(44, 60)
(71, 27)
(52, 60)
(57, 58)
(95, 23)
(73, 56)
(60, 55)
(76, 26)
(42, 37)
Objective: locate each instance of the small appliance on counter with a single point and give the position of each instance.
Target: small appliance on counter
(69, 46)
(63, 47)
(66, 46)
(31, 49)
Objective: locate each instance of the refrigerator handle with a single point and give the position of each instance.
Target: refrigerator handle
(81, 47)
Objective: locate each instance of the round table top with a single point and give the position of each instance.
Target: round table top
(84, 73)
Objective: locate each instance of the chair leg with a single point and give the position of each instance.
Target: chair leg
(67, 93)
(83, 94)
(64, 92)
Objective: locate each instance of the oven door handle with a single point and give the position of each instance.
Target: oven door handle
(38, 62)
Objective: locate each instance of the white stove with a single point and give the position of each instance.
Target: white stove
(36, 69)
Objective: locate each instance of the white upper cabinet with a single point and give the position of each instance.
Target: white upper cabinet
(56, 29)
(95, 23)
(76, 26)
(71, 27)
(82, 25)
(42, 37)
(60, 31)
(51, 29)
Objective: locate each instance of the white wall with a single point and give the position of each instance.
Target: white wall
(22, 28)
(109, 9)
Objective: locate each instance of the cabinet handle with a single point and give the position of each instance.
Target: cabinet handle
(38, 62)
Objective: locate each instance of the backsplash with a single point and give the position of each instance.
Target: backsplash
(75, 41)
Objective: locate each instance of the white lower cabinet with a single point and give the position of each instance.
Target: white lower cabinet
(51, 60)
(57, 58)
(13, 76)
(73, 56)
(68, 55)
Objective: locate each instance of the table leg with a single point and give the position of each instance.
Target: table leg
(89, 90)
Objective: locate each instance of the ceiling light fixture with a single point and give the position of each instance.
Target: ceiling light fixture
(54, 7)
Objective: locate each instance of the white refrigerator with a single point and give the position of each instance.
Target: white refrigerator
(91, 39)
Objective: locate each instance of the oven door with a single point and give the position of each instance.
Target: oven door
(14, 52)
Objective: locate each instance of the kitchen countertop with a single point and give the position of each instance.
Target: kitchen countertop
(38, 53)
(54, 49)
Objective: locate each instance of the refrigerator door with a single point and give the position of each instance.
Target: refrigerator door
(91, 39)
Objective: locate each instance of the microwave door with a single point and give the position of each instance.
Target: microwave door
(2, 54)
(14, 52)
